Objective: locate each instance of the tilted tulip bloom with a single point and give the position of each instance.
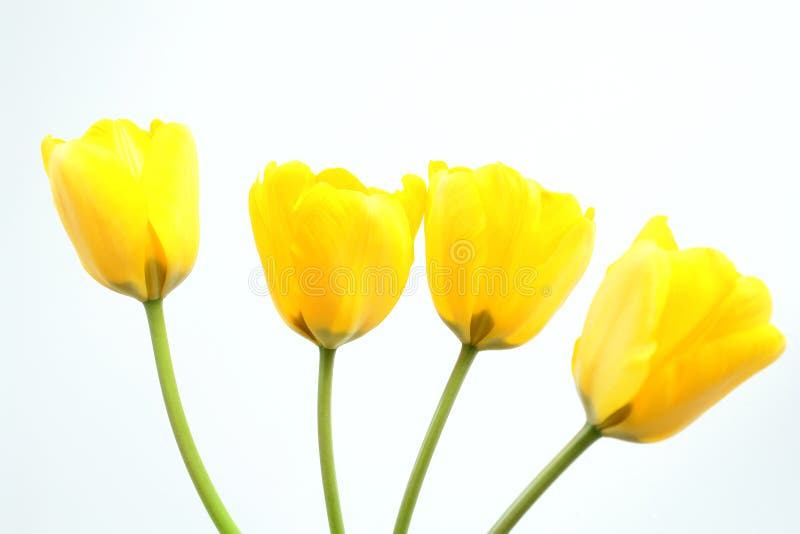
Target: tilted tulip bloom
(336, 256)
(503, 254)
(128, 199)
(669, 333)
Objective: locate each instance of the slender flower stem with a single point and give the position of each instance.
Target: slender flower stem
(582, 440)
(169, 389)
(465, 359)
(325, 436)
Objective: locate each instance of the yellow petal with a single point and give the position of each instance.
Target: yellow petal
(49, 145)
(504, 284)
(272, 200)
(551, 285)
(558, 213)
(103, 211)
(390, 251)
(687, 386)
(499, 185)
(612, 359)
(700, 280)
(412, 197)
(503, 189)
(170, 181)
(747, 306)
(489, 282)
(456, 243)
(542, 247)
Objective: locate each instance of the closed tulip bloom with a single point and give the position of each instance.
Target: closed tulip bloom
(669, 333)
(128, 199)
(336, 254)
(503, 253)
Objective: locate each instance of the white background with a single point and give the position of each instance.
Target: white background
(683, 108)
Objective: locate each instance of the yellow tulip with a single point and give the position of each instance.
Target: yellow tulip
(128, 200)
(669, 333)
(336, 254)
(502, 256)
(503, 253)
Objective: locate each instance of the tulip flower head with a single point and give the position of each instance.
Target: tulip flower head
(336, 254)
(128, 199)
(503, 253)
(669, 333)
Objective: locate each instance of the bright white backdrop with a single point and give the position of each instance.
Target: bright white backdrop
(684, 108)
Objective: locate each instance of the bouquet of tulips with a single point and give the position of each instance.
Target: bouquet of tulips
(669, 333)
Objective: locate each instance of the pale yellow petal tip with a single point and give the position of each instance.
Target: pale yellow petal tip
(414, 185)
(129, 125)
(266, 174)
(155, 124)
(49, 144)
(771, 345)
(294, 166)
(342, 179)
(500, 166)
(100, 127)
(107, 130)
(590, 214)
(657, 230)
(435, 167)
(413, 196)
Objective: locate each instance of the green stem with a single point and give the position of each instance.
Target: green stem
(169, 389)
(582, 440)
(325, 436)
(465, 359)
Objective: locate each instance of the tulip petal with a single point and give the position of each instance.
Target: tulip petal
(49, 144)
(390, 247)
(747, 306)
(103, 211)
(558, 213)
(272, 201)
(412, 197)
(553, 249)
(501, 186)
(690, 384)
(700, 281)
(456, 243)
(170, 182)
(551, 285)
(612, 357)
